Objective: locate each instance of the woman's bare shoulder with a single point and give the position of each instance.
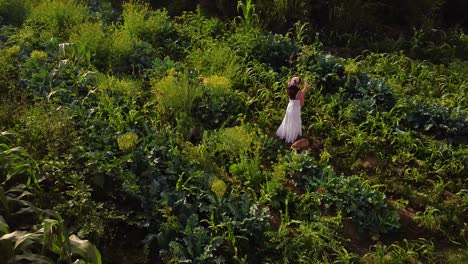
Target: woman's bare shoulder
(300, 94)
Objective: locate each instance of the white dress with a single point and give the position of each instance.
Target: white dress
(291, 127)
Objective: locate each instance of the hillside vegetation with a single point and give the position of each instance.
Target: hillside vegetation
(132, 133)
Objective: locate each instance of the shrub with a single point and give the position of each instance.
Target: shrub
(328, 69)
(150, 26)
(305, 242)
(219, 188)
(91, 36)
(351, 195)
(118, 49)
(9, 73)
(217, 84)
(198, 29)
(175, 94)
(275, 50)
(127, 141)
(28, 232)
(228, 144)
(361, 86)
(125, 89)
(248, 172)
(437, 120)
(215, 59)
(52, 21)
(358, 109)
(14, 12)
(46, 131)
(218, 105)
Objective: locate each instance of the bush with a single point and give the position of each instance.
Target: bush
(46, 131)
(175, 95)
(404, 252)
(116, 88)
(218, 105)
(275, 50)
(437, 120)
(91, 36)
(28, 232)
(361, 86)
(305, 242)
(51, 22)
(118, 50)
(9, 73)
(14, 12)
(216, 59)
(248, 172)
(329, 71)
(141, 22)
(350, 195)
(198, 29)
(228, 144)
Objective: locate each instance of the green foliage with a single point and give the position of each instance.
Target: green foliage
(329, 70)
(14, 12)
(219, 105)
(439, 121)
(306, 242)
(175, 94)
(89, 35)
(119, 49)
(249, 18)
(49, 244)
(127, 141)
(228, 144)
(51, 22)
(134, 44)
(154, 135)
(216, 59)
(351, 195)
(407, 251)
(46, 131)
(361, 86)
(111, 86)
(274, 50)
(365, 204)
(219, 188)
(150, 26)
(199, 29)
(437, 45)
(17, 164)
(248, 172)
(9, 72)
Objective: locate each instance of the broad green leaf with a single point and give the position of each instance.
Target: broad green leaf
(23, 239)
(47, 239)
(85, 249)
(33, 258)
(13, 236)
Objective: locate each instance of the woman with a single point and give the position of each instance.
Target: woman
(291, 127)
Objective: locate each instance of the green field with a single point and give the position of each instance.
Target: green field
(138, 133)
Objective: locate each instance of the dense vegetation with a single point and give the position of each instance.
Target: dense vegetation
(146, 135)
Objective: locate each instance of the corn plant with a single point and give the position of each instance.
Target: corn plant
(407, 251)
(249, 17)
(49, 244)
(18, 163)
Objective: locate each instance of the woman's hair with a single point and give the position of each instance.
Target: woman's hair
(293, 87)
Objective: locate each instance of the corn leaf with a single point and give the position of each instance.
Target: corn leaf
(85, 249)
